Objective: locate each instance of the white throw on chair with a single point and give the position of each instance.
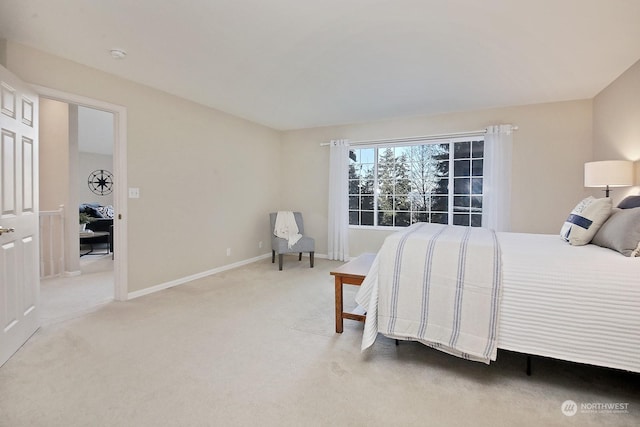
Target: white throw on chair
(292, 240)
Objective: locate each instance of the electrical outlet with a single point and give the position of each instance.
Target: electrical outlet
(260, 244)
(228, 251)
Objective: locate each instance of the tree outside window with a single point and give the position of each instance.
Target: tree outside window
(396, 186)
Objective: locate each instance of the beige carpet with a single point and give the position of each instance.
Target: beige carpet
(62, 298)
(255, 347)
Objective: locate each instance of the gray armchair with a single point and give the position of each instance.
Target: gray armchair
(281, 246)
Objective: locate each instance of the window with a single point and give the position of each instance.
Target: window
(396, 186)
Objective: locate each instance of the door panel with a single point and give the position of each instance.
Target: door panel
(8, 100)
(27, 175)
(8, 187)
(31, 275)
(19, 276)
(8, 293)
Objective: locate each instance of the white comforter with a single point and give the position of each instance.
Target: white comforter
(576, 303)
(439, 285)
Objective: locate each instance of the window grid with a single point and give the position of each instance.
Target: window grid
(395, 186)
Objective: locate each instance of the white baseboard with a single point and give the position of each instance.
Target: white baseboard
(183, 280)
(306, 255)
(187, 279)
(71, 273)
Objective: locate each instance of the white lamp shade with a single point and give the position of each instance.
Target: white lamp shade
(612, 173)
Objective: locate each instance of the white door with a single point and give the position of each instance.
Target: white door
(19, 277)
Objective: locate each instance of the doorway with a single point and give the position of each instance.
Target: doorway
(105, 268)
(76, 175)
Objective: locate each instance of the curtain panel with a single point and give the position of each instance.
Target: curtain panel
(496, 207)
(338, 215)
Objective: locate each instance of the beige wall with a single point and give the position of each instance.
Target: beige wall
(58, 173)
(550, 148)
(3, 52)
(57, 182)
(616, 125)
(54, 154)
(207, 179)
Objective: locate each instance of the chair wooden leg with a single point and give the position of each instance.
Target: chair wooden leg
(311, 259)
(273, 256)
(280, 261)
(300, 256)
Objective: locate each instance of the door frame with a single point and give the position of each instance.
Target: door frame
(121, 285)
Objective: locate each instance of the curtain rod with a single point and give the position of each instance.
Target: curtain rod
(418, 138)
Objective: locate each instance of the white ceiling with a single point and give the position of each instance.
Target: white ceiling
(301, 63)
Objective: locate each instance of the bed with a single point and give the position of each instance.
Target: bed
(549, 298)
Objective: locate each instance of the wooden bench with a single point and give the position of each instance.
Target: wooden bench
(351, 273)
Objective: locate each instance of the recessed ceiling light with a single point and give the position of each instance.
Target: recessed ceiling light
(118, 53)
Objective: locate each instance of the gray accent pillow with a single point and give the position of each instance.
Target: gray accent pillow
(630, 202)
(621, 232)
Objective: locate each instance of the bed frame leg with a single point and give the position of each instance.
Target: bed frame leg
(397, 342)
(528, 366)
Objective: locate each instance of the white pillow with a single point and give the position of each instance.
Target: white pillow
(106, 211)
(585, 220)
(566, 227)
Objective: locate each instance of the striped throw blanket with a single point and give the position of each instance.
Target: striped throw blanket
(439, 285)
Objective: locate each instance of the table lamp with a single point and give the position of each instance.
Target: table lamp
(608, 173)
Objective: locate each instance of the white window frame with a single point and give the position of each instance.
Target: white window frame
(450, 193)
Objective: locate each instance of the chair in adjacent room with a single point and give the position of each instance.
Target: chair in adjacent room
(280, 246)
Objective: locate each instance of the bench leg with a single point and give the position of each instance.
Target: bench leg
(311, 259)
(300, 256)
(280, 261)
(339, 306)
(273, 256)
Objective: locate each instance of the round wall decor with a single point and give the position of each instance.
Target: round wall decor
(101, 182)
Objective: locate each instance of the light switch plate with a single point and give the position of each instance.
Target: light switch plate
(134, 193)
